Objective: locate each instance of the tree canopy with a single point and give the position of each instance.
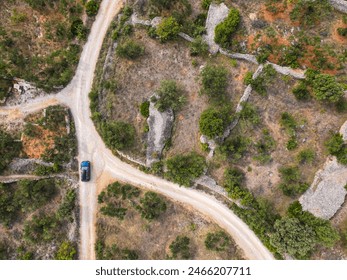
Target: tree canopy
(293, 237)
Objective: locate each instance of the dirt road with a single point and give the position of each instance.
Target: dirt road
(91, 147)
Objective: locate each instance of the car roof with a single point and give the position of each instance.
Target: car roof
(85, 163)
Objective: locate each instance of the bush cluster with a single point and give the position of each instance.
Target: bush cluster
(130, 50)
(301, 91)
(292, 185)
(264, 147)
(300, 232)
(180, 248)
(117, 135)
(183, 169)
(113, 252)
(92, 7)
(170, 96)
(309, 12)
(324, 86)
(342, 31)
(214, 81)
(249, 113)
(234, 148)
(9, 149)
(66, 251)
(225, 30)
(217, 241)
(26, 197)
(144, 109)
(337, 147)
(168, 29)
(259, 84)
(198, 47)
(115, 197)
(151, 206)
(213, 121)
(306, 156)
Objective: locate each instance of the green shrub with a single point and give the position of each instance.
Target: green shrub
(77, 29)
(5, 85)
(306, 156)
(36, 4)
(260, 218)
(196, 27)
(170, 96)
(214, 81)
(198, 47)
(8, 206)
(113, 252)
(293, 237)
(23, 254)
(168, 29)
(183, 169)
(31, 130)
(54, 118)
(326, 88)
(263, 54)
(92, 7)
(41, 229)
(121, 191)
(234, 148)
(247, 80)
(127, 30)
(9, 149)
(166, 4)
(342, 31)
(233, 181)
(4, 251)
(130, 50)
(31, 195)
(335, 144)
(321, 230)
(151, 206)
(157, 168)
(259, 84)
(249, 113)
(217, 241)
(264, 147)
(292, 144)
(290, 55)
(118, 135)
(43, 170)
(342, 156)
(66, 208)
(65, 148)
(180, 248)
(291, 181)
(113, 211)
(66, 251)
(144, 109)
(301, 91)
(308, 13)
(214, 121)
(225, 30)
(341, 105)
(288, 122)
(205, 4)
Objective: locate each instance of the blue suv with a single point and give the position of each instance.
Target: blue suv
(85, 171)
